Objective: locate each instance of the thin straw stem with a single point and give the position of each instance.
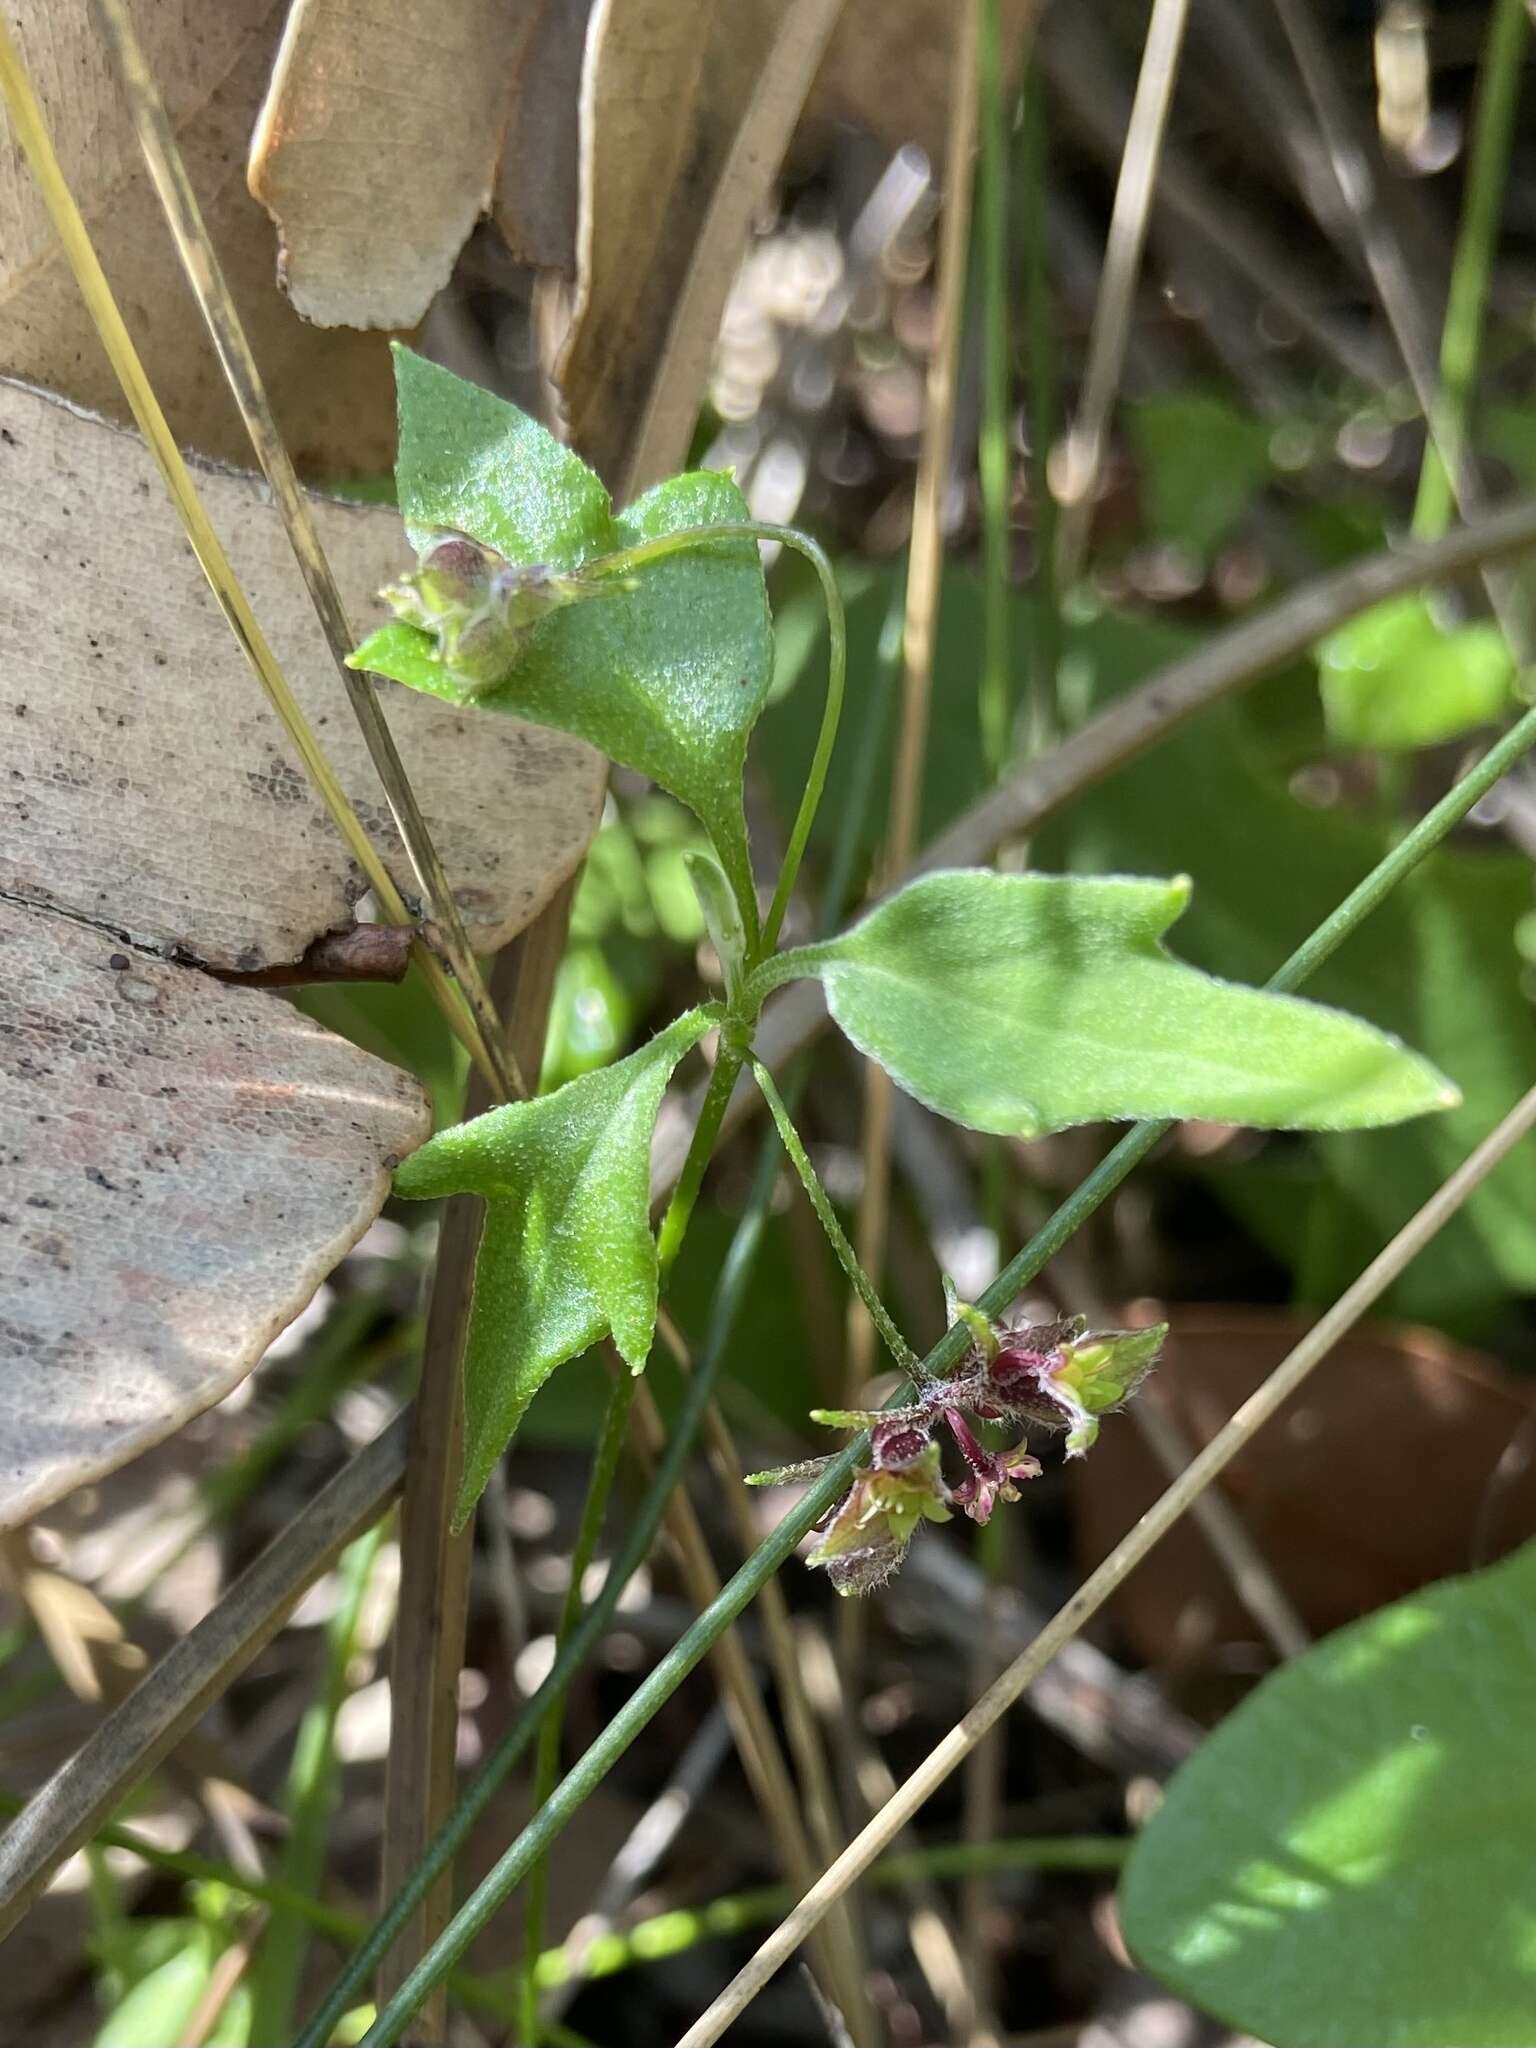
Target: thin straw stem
(925, 572)
(606, 1750)
(199, 259)
(32, 132)
(1232, 1438)
(994, 464)
(1117, 290)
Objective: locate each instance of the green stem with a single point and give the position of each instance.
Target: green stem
(663, 1935)
(674, 1225)
(665, 544)
(995, 705)
(779, 1545)
(547, 1768)
(671, 1934)
(1043, 413)
(310, 1800)
(697, 1394)
(1498, 97)
(826, 1215)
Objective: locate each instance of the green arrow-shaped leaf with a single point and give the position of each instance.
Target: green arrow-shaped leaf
(667, 676)
(1348, 1858)
(1024, 1003)
(567, 1255)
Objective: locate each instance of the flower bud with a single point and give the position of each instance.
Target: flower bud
(480, 608)
(868, 1534)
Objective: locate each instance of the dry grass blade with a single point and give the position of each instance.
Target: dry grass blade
(925, 568)
(1083, 450)
(762, 1760)
(84, 1792)
(1090, 1597)
(332, 389)
(205, 274)
(741, 190)
(32, 132)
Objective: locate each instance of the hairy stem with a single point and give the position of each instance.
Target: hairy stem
(826, 1215)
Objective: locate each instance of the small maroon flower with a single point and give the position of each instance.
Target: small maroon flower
(992, 1475)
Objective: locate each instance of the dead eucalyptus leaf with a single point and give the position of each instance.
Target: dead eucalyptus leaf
(888, 67)
(1377, 1479)
(534, 204)
(188, 1162)
(333, 393)
(654, 131)
(764, 123)
(421, 103)
(152, 792)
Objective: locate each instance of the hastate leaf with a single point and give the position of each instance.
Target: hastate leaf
(1025, 1003)
(566, 1255)
(667, 676)
(471, 463)
(1347, 1859)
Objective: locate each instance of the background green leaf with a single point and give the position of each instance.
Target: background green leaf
(567, 1254)
(1348, 1858)
(668, 677)
(1436, 964)
(1025, 1003)
(1396, 678)
(1202, 461)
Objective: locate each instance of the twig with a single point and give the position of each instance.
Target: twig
(199, 259)
(428, 1647)
(925, 568)
(745, 179)
(1084, 448)
(1249, 1572)
(74, 1802)
(1090, 1597)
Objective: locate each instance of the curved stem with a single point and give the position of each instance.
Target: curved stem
(826, 1215)
(674, 1225)
(636, 557)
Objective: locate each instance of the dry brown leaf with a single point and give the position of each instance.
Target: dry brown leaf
(333, 393)
(1376, 1479)
(376, 149)
(654, 132)
(189, 1161)
(535, 199)
(151, 790)
(764, 121)
(887, 69)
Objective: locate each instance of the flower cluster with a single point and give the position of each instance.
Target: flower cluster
(1048, 1375)
(480, 608)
